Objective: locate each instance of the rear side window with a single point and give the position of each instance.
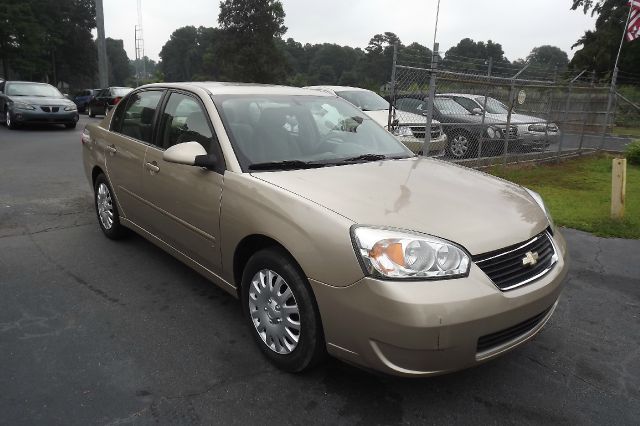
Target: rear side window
(137, 119)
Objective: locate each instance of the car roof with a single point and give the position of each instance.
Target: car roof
(462, 95)
(226, 88)
(30, 82)
(338, 88)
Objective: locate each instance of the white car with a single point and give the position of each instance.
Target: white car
(410, 128)
(535, 133)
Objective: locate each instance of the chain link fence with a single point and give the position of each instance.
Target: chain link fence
(484, 113)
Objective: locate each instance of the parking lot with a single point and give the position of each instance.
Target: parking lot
(94, 331)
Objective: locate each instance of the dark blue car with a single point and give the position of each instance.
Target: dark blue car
(83, 97)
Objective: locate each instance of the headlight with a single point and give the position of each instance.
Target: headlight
(538, 199)
(71, 107)
(388, 253)
(493, 132)
(22, 105)
(402, 131)
(538, 127)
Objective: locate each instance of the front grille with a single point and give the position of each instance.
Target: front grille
(501, 337)
(513, 132)
(419, 131)
(514, 266)
(50, 108)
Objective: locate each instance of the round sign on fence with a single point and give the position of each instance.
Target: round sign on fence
(522, 95)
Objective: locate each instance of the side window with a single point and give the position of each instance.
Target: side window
(137, 120)
(466, 103)
(183, 120)
(118, 114)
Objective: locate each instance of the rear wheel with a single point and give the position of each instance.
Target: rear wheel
(281, 311)
(107, 211)
(90, 112)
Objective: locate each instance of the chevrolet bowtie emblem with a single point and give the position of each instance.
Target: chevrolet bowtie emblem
(530, 259)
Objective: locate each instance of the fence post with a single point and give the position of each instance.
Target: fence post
(612, 91)
(585, 114)
(618, 187)
(484, 104)
(565, 116)
(392, 97)
(432, 94)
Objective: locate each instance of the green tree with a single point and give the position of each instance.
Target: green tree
(599, 47)
(375, 67)
(120, 69)
(250, 30)
(550, 56)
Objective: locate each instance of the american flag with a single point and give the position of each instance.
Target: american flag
(633, 28)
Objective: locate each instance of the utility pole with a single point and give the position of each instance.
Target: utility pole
(103, 76)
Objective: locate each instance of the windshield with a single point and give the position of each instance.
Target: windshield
(494, 106)
(312, 129)
(448, 106)
(33, 89)
(120, 91)
(365, 100)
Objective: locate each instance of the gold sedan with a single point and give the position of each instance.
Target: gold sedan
(336, 239)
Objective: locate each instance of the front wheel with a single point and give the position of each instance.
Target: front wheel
(107, 211)
(70, 125)
(9, 121)
(461, 145)
(91, 113)
(281, 311)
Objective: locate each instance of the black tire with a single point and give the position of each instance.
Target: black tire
(310, 348)
(70, 125)
(91, 112)
(116, 231)
(457, 140)
(8, 121)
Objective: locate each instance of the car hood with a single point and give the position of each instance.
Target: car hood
(471, 208)
(39, 100)
(407, 118)
(516, 118)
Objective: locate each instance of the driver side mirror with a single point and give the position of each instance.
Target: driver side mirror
(189, 154)
(476, 111)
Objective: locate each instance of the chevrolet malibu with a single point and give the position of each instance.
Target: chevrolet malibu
(337, 241)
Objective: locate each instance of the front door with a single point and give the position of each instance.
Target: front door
(125, 147)
(184, 201)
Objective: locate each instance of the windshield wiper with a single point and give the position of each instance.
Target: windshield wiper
(285, 165)
(364, 157)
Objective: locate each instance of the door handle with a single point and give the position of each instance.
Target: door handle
(111, 148)
(153, 167)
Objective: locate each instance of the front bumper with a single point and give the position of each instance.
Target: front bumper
(427, 328)
(437, 145)
(41, 117)
(538, 140)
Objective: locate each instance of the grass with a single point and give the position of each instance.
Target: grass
(578, 193)
(627, 131)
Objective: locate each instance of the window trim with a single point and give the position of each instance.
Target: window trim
(157, 130)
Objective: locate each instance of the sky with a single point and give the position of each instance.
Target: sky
(519, 25)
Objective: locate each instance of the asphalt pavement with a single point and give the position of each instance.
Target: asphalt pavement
(100, 332)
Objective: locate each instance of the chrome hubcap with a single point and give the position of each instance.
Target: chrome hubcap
(274, 311)
(8, 119)
(105, 206)
(459, 146)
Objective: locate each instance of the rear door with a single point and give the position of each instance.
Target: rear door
(183, 202)
(125, 146)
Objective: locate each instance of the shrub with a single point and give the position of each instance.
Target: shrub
(633, 153)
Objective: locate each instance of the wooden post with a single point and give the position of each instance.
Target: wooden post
(618, 187)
